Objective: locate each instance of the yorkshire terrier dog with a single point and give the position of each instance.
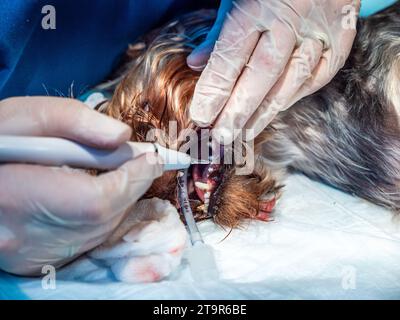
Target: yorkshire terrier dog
(346, 134)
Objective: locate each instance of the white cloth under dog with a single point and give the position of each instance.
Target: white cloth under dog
(146, 247)
(322, 244)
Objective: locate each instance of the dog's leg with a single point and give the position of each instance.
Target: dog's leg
(348, 134)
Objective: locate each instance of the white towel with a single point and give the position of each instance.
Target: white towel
(146, 247)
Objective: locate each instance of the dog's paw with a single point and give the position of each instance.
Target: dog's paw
(147, 246)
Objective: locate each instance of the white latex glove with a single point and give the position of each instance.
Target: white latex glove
(49, 216)
(269, 55)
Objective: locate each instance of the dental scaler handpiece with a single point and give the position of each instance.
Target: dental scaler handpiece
(61, 152)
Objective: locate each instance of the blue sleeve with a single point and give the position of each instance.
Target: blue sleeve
(16, 27)
(369, 7)
(89, 38)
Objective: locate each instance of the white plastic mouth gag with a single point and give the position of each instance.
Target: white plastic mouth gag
(62, 152)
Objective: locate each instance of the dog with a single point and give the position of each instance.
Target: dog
(346, 134)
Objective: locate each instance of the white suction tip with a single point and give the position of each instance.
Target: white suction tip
(173, 160)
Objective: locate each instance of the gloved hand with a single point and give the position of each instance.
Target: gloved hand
(269, 55)
(49, 216)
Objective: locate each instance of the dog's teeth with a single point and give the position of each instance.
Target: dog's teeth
(201, 185)
(203, 208)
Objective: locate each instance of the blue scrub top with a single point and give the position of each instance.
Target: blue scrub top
(86, 45)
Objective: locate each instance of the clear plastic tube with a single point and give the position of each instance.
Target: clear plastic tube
(201, 256)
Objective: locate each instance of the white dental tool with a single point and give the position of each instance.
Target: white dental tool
(62, 152)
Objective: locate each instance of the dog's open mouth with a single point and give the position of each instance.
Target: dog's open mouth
(205, 182)
(209, 186)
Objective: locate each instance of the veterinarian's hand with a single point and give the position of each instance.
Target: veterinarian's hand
(269, 55)
(48, 216)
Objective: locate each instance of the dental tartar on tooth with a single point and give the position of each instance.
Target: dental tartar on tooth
(202, 185)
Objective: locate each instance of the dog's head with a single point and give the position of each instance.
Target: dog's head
(155, 88)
